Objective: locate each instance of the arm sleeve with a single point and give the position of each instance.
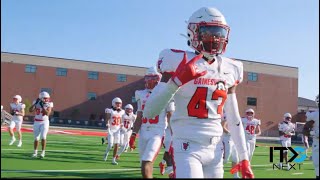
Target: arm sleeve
(235, 126)
(137, 97)
(23, 106)
(170, 107)
(159, 98)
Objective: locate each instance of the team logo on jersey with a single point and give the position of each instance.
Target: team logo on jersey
(221, 85)
(185, 146)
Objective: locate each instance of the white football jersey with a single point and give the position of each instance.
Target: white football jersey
(17, 108)
(128, 120)
(315, 117)
(115, 118)
(200, 102)
(250, 127)
(141, 98)
(39, 115)
(286, 127)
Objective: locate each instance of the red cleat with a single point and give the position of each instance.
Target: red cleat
(162, 168)
(117, 157)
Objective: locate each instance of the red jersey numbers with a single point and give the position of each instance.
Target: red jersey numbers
(116, 121)
(250, 129)
(197, 106)
(126, 123)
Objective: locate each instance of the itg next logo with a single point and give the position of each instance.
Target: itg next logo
(296, 159)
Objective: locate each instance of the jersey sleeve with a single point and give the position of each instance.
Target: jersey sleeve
(233, 70)
(51, 104)
(259, 122)
(107, 110)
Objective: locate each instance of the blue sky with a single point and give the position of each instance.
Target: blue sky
(133, 32)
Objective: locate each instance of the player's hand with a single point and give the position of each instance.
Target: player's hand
(37, 101)
(132, 141)
(245, 169)
(41, 104)
(186, 72)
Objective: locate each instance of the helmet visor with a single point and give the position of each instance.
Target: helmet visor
(213, 38)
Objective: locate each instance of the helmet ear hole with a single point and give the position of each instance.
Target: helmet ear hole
(188, 43)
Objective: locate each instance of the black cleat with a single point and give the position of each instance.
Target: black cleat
(102, 140)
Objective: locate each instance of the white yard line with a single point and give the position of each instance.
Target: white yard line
(297, 173)
(68, 170)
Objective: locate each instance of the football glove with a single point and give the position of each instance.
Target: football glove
(187, 71)
(132, 141)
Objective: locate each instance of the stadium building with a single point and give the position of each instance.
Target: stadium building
(81, 90)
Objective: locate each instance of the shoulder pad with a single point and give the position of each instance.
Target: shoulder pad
(235, 66)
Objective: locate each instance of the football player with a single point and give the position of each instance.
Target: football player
(286, 130)
(252, 129)
(43, 108)
(113, 121)
(128, 118)
(17, 112)
(151, 129)
(311, 128)
(202, 86)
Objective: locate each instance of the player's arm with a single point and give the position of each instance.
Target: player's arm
(108, 119)
(137, 123)
(258, 130)
(33, 106)
(163, 93)
(21, 113)
(46, 111)
(237, 134)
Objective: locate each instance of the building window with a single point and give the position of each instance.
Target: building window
(252, 76)
(48, 90)
(92, 96)
(93, 75)
(30, 68)
(251, 101)
(121, 77)
(61, 72)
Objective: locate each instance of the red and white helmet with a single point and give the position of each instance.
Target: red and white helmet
(287, 117)
(18, 97)
(44, 96)
(115, 101)
(250, 114)
(129, 108)
(152, 78)
(208, 32)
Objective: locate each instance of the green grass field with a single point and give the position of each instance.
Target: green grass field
(69, 156)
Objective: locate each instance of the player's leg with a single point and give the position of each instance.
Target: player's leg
(109, 146)
(154, 144)
(11, 133)
(36, 133)
(234, 158)
(214, 169)
(43, 135)
(187, 163)
(227, 150)
(18, 128)
(252, 148)
(116, 145)
(124, 144)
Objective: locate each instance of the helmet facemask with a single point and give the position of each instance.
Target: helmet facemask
(151, 81)
(209, 39)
